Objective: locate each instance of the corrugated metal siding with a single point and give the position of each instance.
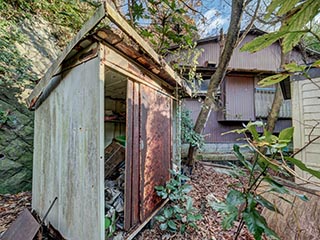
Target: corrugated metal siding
(263, 102)
(306, 118)
(213, 128)
(239, 98)
(211, 53)
(68, 154)
(267, 59)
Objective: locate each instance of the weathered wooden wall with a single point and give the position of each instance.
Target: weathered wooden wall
(68, 154)
(306, 120)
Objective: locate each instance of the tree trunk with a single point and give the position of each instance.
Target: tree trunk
(275, 109)
(230, 44)
(277, 100)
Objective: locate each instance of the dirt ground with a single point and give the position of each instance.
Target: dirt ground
(205, 181)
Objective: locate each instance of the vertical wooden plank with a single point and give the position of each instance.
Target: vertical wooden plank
(101, 178)
(67, 145)
(128, 161)
(136, 154)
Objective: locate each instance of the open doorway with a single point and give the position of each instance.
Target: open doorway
(115, 98)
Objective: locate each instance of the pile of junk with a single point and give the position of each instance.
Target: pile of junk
(114, 188)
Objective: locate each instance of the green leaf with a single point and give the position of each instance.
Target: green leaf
(178, 209)
(302, 197)
(267, 204)
(219, 206)
(228, 220)
(163, 226)
(182, 177)
(262, 42)
(253, 130)
(235, 197)
(186, 188)
(273, 79)
(167, 212)
(159, 188)
(189, 204)
(294, 67)
(303, 167)
(286, 6)
(172, 225)
(316, 64)
(252, 225)
(290, 40)
(257, 225)
(107, 222)
(160, 218)
(275, 186)
(272, 7)
(182, 228)
(197, 217)
(241, 158)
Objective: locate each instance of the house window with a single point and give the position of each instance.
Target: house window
(263, 102)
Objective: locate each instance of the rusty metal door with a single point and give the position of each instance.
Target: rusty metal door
(155, 147)
(148, 152)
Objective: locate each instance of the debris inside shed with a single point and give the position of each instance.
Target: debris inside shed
(114, 190)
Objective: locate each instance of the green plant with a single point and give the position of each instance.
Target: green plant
(5, 117)
(110, 224)
(180, 214)
(242, 201)
(188, 135)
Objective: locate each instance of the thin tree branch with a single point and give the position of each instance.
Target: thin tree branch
(248, 28)
(305, 146)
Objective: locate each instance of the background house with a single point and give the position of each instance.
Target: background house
(241, 98)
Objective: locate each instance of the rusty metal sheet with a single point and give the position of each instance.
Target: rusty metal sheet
(155, 147)
(25, 227)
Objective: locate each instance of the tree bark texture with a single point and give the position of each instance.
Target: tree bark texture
(277, 100)
(216, 78)
(275, 109)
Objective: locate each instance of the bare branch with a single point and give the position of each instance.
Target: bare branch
(248, 28)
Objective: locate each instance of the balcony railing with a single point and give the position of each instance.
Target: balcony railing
(263, 102)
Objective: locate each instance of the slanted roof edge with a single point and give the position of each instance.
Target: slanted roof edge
(105, 10)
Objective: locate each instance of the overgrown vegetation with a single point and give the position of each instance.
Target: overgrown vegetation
(188, 135)
(180, 214)
(242, 201)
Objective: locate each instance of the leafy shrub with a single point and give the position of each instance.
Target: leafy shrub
(241, 205)
(188, 135)
(181, 214)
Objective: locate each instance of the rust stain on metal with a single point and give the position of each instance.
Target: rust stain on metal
(155, 153)
(25, 227)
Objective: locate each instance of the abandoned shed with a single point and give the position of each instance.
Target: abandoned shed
(305, 96)
(105, 117)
